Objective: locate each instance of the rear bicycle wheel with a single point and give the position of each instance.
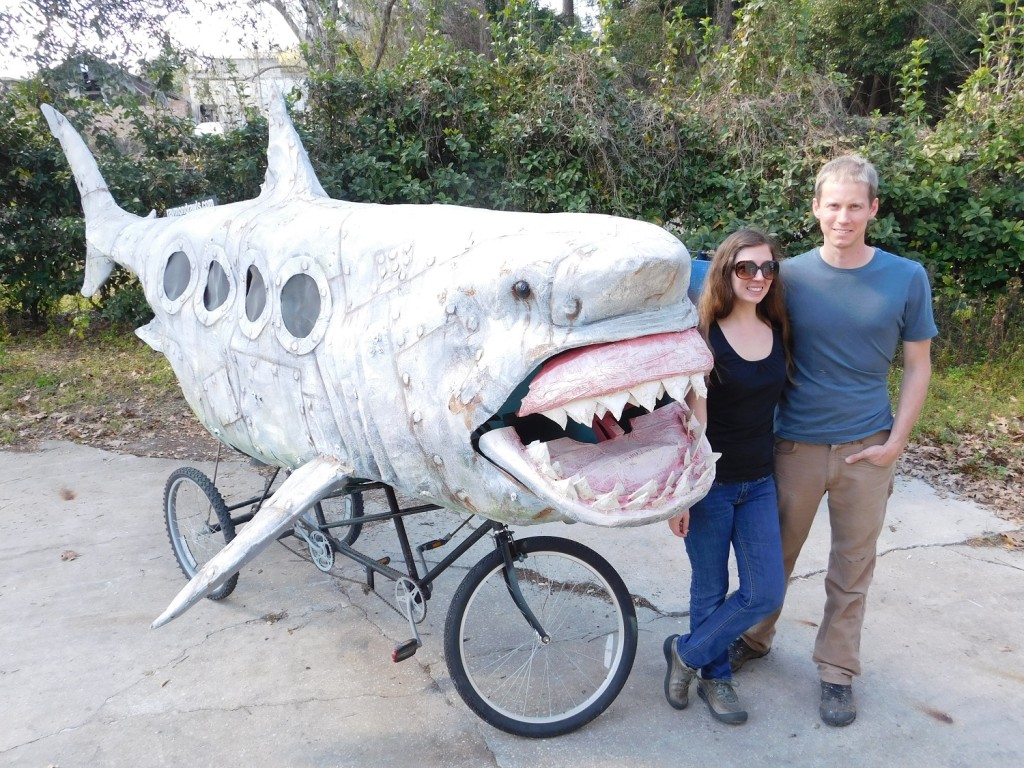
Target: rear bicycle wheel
(198, 523)
(335, 509)
(502, 669)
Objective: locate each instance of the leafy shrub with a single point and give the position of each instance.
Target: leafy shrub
(40, 229)
(727, 129)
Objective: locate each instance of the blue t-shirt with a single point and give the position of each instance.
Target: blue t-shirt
(846, 326)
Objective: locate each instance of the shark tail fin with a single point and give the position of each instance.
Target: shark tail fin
(103, 217)
(289, 171)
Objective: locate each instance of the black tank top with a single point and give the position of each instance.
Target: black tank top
(742, 395)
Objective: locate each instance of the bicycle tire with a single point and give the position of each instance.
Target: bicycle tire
(198, 523)
(336, 508)
(499, 665)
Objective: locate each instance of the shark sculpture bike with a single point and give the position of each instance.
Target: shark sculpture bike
(517, 367)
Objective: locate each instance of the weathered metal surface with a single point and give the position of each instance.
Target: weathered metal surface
(386, 341)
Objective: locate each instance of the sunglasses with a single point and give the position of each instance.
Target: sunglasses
(746, 270)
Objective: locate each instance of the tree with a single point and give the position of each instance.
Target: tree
(45, 32)
(869, 41)
(359, 32)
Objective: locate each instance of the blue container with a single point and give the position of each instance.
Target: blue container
(698, 271)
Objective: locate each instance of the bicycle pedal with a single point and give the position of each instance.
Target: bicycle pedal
(405, 650)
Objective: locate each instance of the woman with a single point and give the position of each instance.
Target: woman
(743, 319)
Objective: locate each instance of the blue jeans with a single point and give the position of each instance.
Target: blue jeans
(746, 516)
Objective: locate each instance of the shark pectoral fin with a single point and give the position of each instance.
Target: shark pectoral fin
(97, 269)
(153, 334)
(304, 487)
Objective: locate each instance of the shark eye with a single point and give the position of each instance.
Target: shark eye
(521, 289)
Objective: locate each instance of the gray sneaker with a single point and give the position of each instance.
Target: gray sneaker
(837, 707)
(722, 701)
(678, 677)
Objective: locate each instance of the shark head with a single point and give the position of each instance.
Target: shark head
(525, 367)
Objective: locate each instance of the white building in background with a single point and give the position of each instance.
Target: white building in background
(219, 91)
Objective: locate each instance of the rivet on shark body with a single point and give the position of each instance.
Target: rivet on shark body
(572, 309)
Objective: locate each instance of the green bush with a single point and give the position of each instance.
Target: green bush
(725, 130)
(41, 231)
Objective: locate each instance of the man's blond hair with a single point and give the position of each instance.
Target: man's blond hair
(851, 168)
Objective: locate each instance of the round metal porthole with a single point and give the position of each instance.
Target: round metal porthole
(218, 286)
(300, 305)
(304, 304)
(256, 309)
(255, 294)
(179, 278)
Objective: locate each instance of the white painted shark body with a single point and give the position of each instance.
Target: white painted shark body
(345, 340)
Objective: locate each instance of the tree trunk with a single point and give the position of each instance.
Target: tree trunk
(384, 26)
(723, 16)
(568, 10)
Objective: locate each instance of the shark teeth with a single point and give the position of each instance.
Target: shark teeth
(696, 462)
(583, 489)
(645, 395)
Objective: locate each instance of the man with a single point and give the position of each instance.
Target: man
(850, 307)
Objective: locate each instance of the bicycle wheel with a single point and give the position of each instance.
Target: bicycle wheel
(334, 509)
(502, 669)
(198, 523)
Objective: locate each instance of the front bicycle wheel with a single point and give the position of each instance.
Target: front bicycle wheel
(198, 523)
(500, 666)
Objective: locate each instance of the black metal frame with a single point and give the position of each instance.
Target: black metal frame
(503, 540)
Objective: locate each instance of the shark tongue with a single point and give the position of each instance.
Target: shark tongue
(663, 465)
(615, 367)
(651, 451)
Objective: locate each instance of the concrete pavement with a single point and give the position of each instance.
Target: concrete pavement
(294, 669)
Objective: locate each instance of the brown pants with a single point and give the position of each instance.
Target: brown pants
(857, 497)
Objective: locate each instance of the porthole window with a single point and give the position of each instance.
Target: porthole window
(300, 305)
(218, 292)
(255, 294)
(257, 306)
(217, 286)
(177, 275)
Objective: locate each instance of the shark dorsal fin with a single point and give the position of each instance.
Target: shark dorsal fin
(289, 172)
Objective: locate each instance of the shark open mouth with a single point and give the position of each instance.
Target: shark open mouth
(603, 434)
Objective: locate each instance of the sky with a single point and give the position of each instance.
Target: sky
(217, 35)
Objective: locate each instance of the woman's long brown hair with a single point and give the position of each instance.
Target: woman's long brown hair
(717, 297)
